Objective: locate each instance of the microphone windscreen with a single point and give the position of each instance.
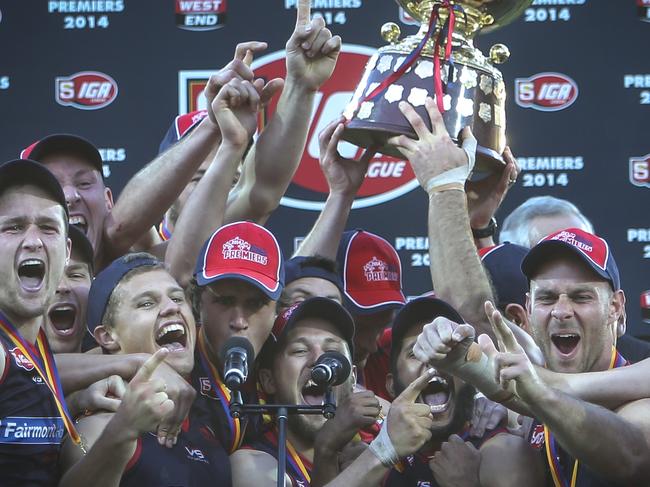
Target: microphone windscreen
(239, 342)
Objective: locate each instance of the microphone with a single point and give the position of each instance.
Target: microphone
(237, 354)
(331, 369)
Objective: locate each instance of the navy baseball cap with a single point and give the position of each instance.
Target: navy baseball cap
(105, 283)
(68, 143)
(296, 268)
(27, 171)
(82, 246)
(420, 310)
(591, 249)
(503, 264)
(323, 308)
(181, 126)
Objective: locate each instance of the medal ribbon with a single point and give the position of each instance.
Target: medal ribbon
(413, 56)
(552, 454)
(294, 459)
(223, 392)
(47, 370)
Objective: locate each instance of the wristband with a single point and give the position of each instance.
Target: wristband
(446, 187)
(486, 232)
(456, 175)
(382, 447)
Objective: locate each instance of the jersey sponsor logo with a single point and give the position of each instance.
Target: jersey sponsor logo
(195, 454)
(640, 171)
(424, 483)
(21, 360)
(32, 431)
(547, 92)
(86, 90)
(201, 15)
(537, 437)
(240, 249)
(377, 270)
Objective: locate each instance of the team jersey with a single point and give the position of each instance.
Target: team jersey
(31, 429)
(196, 460)
(414, 470)
(298, 467)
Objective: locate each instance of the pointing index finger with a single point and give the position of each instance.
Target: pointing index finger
(146, 371)
(413, 390)
(304, 13)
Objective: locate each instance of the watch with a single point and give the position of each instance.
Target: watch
(486, 232)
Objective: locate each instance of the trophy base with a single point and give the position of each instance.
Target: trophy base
(367, 134)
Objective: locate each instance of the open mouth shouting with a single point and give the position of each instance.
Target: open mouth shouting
(31, 273)
(62, 316)
(80, 222)
(437, 395)
(172, 335)
(566, 343)
(313, 394)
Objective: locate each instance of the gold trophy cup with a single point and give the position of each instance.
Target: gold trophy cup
(473, 92)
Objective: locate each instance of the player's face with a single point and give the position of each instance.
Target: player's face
(572, 312)
(33, 250)
(292, 365)
(309, 287)
(153, 313)
(89, 201)
(233, 307)
(542, 226)
(368, 328)
(446, 395)
(65, 319)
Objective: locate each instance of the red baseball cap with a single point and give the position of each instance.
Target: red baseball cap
(371, 273)
(246, 251)
(590, 248)
(69, 143)
(181, 126)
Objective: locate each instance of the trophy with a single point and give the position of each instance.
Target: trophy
(439, 61)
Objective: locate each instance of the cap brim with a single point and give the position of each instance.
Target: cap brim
(269, 287)
(367, 302)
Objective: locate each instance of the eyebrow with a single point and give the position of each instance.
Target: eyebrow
(24, 219)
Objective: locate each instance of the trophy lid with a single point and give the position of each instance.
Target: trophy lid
(482, 15)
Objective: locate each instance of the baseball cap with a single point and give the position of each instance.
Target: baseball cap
(107, 280)
(318, 307)
(590, 248)
(246, 251)
(181, 126)
(27, 171)
(503, 263)
(57, 143)
(82, 246)
(299, 267)
(371, 273)
(418, 311)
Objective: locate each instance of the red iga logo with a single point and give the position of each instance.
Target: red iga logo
(87, 90)
(645, 299)
(640, 171)
(200, 15)
(547, 92)
(20, 359)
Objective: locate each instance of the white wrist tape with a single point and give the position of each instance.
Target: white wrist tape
(457, 174)
(383, 448)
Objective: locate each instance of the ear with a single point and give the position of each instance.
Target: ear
(390, 384)
(68, 250)
(108, 197)
(104, 337)
(517, 314)
(617, 307)
(267, 381)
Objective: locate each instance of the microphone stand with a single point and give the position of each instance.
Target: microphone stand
(282, 412)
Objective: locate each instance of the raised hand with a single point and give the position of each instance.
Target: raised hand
(312, 51)
(235, 108)
(456, 464)
(486, 416)
(343, 175)
(145, 403)
(443, 342)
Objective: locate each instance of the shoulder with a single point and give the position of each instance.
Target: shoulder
(253, 468)
(512, 454)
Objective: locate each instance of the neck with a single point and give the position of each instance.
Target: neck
(305, 448)
(603, 361)
(27, 327)
(211, 356)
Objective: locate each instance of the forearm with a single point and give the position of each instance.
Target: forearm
(105, 461)
(154, 188)
(79, 370)
(456, 271)
(326, 466)
(365, 471)
(324, 237)
(203, 213)
(605, 442)
(273, 160)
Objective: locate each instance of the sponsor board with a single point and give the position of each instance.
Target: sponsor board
(331, 11)
(640, 171)
(546, 92)
(640, 235)
(200, 15)
(542, 11)
(639, 82)
(387, 178)
(85, 14)
(548, 171)
(5, 82)
(86, 90)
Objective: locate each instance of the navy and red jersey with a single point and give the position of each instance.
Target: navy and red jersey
(196, 460)
(414, 470)
(31, 429)
(373, 375)
(298, 467)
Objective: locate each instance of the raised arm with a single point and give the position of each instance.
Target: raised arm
(270, 164)
(344, 178)
(235, 109)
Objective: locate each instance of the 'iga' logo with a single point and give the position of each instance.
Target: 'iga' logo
(387, 177)
(640, 171)
(87, 90)
(547, 92)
